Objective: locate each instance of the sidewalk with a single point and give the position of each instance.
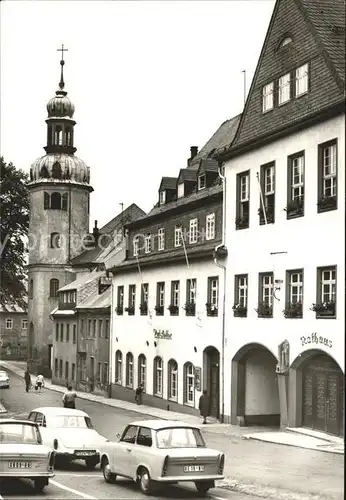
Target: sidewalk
(302, 438)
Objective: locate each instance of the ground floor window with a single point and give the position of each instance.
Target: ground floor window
(158, 376)
(173, 380)
(129, 370)
(189, 384)
(118, 367)
(73, 372)
(66, 370)
(56, 367)
(105, 373)
(142, 369)
(60, 368)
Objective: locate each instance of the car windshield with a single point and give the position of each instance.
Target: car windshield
(71, 421)
(18, 433)
(179, 437)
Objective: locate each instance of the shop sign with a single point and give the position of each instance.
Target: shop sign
(162, 334)
(316, 339)
(198, 373)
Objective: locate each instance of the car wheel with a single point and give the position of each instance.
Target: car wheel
(40, 483)
(202, 487)
(145, 482)
(91, 462)
(106, 469)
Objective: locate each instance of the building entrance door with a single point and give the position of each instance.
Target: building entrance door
(212, 380)
(323, 389)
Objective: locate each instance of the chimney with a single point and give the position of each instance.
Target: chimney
(96, 233)
(194, 151)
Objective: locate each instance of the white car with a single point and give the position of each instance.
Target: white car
(70, 433)
(22, 453)
(158, 452)
(4, 379)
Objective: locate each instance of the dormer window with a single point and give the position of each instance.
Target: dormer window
(287, 40)
(162, 197)
(135, 244)
(181, 190)
(302, 75)
(268, 97)
(201, 182)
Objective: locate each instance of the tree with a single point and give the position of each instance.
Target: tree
(14, 213)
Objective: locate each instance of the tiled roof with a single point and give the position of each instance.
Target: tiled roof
(188, 174)
(11, 308)
(168, 183)
(208, 165)
(81, 280)
(132, 212)
(97, 301)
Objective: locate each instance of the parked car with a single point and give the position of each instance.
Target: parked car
(4, 379)
(158, 452)
(70, 433)
(22, 453)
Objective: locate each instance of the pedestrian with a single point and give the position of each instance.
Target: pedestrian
(139, 392)
(69, 397)
(27, 379)
(204, 406)
(39, 382)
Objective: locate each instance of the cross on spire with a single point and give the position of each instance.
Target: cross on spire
(62, 62)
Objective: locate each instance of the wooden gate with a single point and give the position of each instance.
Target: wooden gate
(323, 400)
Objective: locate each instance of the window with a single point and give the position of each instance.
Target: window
(173, 380)
(144, 437)
(267, 198)
(178, 236)
(142, 370)
(129, 370)
(213, 296)
(302, 80)
(181, 190)
(162, 197)
(135, 243)
(105, 373)
(201, 181)
(73, 371)
(67, 332)
(147, 243)
(295, 202)
(160, 298)
(46, 198)
(193, 231)
(240, 296)
(56, 367)
(120, 300)
(161, 239)
(327, 176)
(24, 324)
(190, 306)
(53, 288)
(66, 370)
(89, 328)
(294, 294)
(268, 97)
(210, 227)
(132, 300)
(265, 295)
(107, 329)
(99, 372)
(189, 384)
(144, 299)
(74, 334)
(55, 201)
(158, 376)
(118, 367)
(60, 368)
(55, 240)
(100, 328)
(284, 89)
(326, 292)
(94, 327)
(31, 289)
(130, 434)
(243, 200)
(9, 324)
(175, 293)
(82, 327)
(61, 332)
(57, 332)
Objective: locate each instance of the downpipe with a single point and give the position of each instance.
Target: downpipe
(223, 267)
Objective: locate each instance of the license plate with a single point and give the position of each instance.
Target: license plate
(193, 468)
(84, 453)
(19, 465)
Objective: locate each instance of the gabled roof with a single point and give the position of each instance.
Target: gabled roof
(208, 165)
(188, 174)
(317, 28)
(168, 183)
(97, 300)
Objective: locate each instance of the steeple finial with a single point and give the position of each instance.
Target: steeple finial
(62, 62)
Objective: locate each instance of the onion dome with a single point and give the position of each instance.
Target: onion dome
(60, 167)
(60, 106)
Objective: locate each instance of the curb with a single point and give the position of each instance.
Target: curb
(337, 452)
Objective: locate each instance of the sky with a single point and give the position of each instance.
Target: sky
(148, 79)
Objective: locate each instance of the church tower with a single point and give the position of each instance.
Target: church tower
(59, 219)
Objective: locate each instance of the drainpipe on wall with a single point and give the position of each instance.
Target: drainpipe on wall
(110, 364)
(223, 267)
